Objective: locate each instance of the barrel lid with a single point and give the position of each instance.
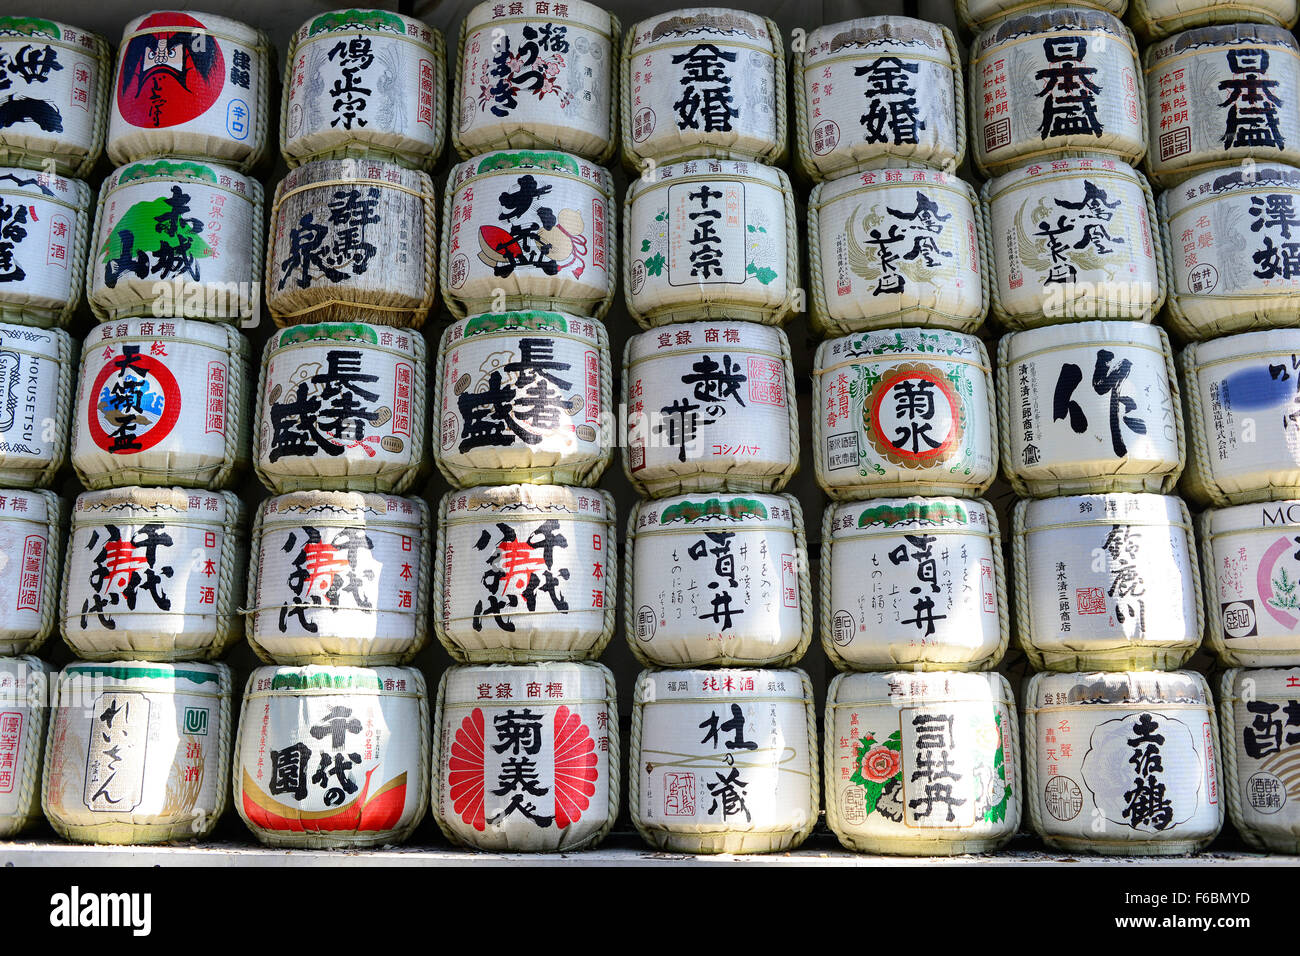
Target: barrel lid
(374, 21)
(889, 344)
(715, 21)
(1057, 20)
(1227, 180)
(1245, 346)
(875, 32)
(375, 173)
(1017, 345)
(1125, 687)
(539, 162)
(43, 342)
(208, 23)
(1048, 170)
(297, 506)
(181, 331)
(17, 677)
(208, 676)
(1275, 517)
(1123, 508)
(1266, 682)
(490, 501)
(694, 512)
(320, 677)
(723, 683)
(19, 26)
(26, 505)
(710, 169)
(895, 688)
(1211, 37)
(352, 333)
(207, 507)
(894, 515)
(487, 683)
(184, 170)
(902, 178)
(691, 337)
(63, 189)
(580, 12)
(524, 322)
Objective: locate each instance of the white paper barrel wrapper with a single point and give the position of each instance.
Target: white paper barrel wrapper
(525, 573)
(1106, 582)
(1226, 234)
(37, 372)
(176, 238)
(339, 577)
(1073, 239)
(1249, 563)
(1221, 94)
(57, 83)
(710, 406)
(903, 411)
(710, 239)
(44, 231)
(717, 580)
(526, 758)
(365, 83)
(32, 532)
(523, 396)
(922, 764)
(1243, 417)
(1154, 19)
(194, 86)
(138, 752)
(1055, 83)
(333, 756)
(878, 92)
(892, 247)
(352, 239)
(154, 574)
(537, 75)
(1259, 719)
(977, 15)
(724, 761)
(703, 82)
(342, 405)
(1122, 763)
(24, 709)
(162, 402)
(1088, 407)
(529, 230)
(913, 582)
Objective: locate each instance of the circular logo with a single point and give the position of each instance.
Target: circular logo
(638, 276)
(134, 403)
(852, 806)
(449, 430)
(913, 416)
(1063, 798)
(170, 73)
(825, 137)
(1203, 279)
(646, 625)
(1238, 618)
(1266, 792)
(643, 124)
(842, 627)
(459, 271)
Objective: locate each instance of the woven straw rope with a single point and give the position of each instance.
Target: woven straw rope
(1232, 784)
(1152, 27)
(28, 805)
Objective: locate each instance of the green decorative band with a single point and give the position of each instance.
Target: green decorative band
(689, 511)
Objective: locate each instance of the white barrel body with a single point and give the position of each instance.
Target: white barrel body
(1122, 763)
(903, 411)
(525, 573)
(710, 239)
(523, 396)
(710, 406)
(717, 580)
(892, 247)
(913, 582)
(529, 230)
(1106, 582)
(24, 710)
(1092, 406)
(922, 764)
(32, 533)
(333, 756)
(154, 574)
(37, 374)
(537, 75)
(162, 402)
(342, 405)
(1259, 723)
(1155, 19)
(138, 752)
(44, 232)
(526, 757)
(339, 577)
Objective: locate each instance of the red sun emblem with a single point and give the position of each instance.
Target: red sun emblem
(172, 72)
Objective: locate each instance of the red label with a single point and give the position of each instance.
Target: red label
(31, 574)
(215, 418)
(169, 76)
(766, 381)
(402, 399)
(11, 736)
(425, 113)
(598, 233)
(592, 404)
(60, 231)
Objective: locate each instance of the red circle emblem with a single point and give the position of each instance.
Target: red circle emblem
(169, 74)
(914, 418)
(136, 421)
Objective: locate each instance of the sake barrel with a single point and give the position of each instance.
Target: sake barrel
(32, 530)
(711, 239)
(703, 82)
(342, 405)
(24, 709)
(36, 377)
(523, 396)
(1106, 582)
(44, 230)
(903, 411)
(878, 92)
(1243, 417)
(537, 75)
(1226, 234)
(154, 574)
(1073, 239)
(977, 15)
(526, 758)
(339, 577)
(368, 84)
(158, 246)
(724, 761)
(913, 582)
(194, 86)
(352, 240)
(528, 230)
(333, 756)
(1250, 569)
(892, 247)
(1259, 716)
(1122, 763)
(1222, 94)
(1054, 83)
(1155, 19)
(525, 573)
(922, 764)
(717, 580)
(162, 402)
(710, 407)
(56, 107)
(1122, 431)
